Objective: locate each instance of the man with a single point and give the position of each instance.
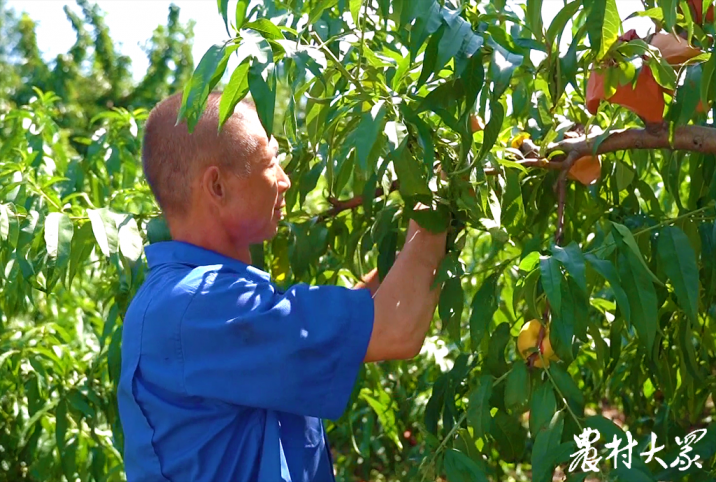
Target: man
(224, 377)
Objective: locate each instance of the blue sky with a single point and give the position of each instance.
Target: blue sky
(131, 23)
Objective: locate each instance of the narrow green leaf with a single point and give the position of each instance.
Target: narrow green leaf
(450, 306)
(572, 259)
(628, 238)
(534, 18)
(4, 222)
(707, 77)
(196, 92)
(235, 91)
(568, 387)
(607, 270)
(263, 93)
(478, 408)
(473, 79)
(509, 435)
(372, 123)
(354, 6)
(82, 245)
(560, 21)
(517, 388)
(545, 445)
(641, 294)
(410, 172)
(492, 129)
(242, 7)
(484, 306)
(461, 468)
(104, 229)
(382, 405)
(224, 11)
(542, 408)
(551, 281)
(669, 9)
(266, 28)
(58, 238)
(130, 241)
(603, 26)
(319, 9)
(678, 261)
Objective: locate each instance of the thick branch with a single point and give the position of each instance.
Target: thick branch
(686, 138)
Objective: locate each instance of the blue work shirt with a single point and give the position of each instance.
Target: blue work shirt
(226, 378)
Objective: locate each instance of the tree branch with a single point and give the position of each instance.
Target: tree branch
(352, 203)
(686, 138)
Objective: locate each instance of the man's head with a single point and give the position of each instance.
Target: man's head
(216, 188)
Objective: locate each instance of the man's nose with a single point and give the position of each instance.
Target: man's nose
(283, 180)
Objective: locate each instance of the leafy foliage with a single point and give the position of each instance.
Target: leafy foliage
(372, 102)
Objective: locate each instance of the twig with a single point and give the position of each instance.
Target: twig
(352, 203)
(338, 63)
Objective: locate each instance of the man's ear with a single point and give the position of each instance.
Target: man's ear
(213, 184)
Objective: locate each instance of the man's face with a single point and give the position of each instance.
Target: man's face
(256, 202)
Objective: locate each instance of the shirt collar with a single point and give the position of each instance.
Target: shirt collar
(179, 252)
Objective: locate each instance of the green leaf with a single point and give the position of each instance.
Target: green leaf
(542, 408)
(509, 435)
(58, 238)
(484, 306)
(82, 245)
(263, 92)
(431, 56)
(640, 292)
(568, 387)
(628, 238)
(492, 129)
(678, 260)
(319, 9)
(235, 91)
(551, 281)
(534, 18)
(572, 259)
(607, 270)
(707, 77)
(451, 41)
(545, 445)
(495, 359)
(461, 468)
(603, 26)
(382, 404)
(196, 92)
(560, 21)
(224, 11)
(5, 214)
(450, 306)
(242, 7)
(354, 6)
(131, 244)
(517, 388)
(410, 172)
(478, 408)
(364, 137)
(266, 28)
(669, 9)
(104, 229)
(434, 220)
(473, 78)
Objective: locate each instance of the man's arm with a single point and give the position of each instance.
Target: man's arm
(404, 303)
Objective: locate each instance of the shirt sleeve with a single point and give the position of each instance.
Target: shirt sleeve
(297, 352)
